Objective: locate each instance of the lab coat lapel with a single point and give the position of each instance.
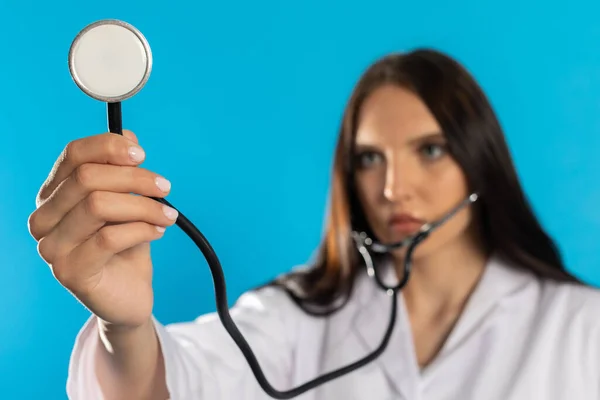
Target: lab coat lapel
(498, 281)
(398, 361)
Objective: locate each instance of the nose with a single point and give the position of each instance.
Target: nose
(399, 178)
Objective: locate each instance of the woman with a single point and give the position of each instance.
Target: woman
(489, 311)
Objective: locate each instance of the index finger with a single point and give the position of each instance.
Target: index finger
(105, 148)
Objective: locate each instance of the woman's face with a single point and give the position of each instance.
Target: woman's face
(405, 176)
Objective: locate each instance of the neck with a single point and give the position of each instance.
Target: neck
(441, 283)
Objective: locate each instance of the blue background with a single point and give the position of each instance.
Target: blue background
(241, 114)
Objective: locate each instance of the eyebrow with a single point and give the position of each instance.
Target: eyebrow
(426, 137)
(411, 141)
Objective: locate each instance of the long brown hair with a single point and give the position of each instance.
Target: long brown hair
(475, 140)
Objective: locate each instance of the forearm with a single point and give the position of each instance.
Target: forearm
(130, 363)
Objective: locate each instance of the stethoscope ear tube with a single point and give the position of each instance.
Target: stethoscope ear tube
(365, 244)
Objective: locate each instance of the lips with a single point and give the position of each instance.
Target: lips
(405, 223)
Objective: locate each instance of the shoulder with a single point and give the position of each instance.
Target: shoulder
(567, 315)
(262, 314)
(545, 302)
(577, 302)
(269, 299)
(544, 296)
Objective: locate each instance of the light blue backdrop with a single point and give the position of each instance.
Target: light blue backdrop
(241, 114)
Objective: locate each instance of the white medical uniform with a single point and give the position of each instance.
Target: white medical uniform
(519, 338)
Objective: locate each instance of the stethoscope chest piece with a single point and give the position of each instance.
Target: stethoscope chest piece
(110, 60)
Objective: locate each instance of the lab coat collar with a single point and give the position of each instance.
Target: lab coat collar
(373, 311)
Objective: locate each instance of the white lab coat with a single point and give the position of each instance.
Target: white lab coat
(518, 339)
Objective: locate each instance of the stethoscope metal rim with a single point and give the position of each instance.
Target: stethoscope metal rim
(143, 42)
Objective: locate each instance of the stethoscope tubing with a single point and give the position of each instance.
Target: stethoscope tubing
(114, 115)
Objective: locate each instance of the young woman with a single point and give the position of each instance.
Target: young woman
(489, 310)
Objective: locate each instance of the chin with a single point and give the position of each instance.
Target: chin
(419, 252)
(395, 237)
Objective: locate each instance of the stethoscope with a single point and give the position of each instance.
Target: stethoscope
(110, 61)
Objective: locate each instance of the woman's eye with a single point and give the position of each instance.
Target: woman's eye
(367, 159)
(433, 151)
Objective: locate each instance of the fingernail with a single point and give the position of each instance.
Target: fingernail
(163, 184)
(171, 213)
(136, 154)
(161, 229)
